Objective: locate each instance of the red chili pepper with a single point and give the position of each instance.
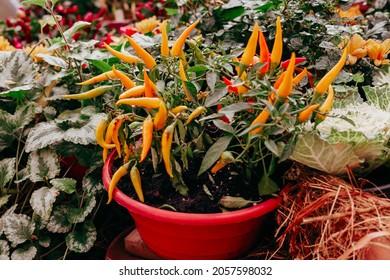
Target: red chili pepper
(298, 60)
(223, 118)
(229, 85)
(16, 43)
(88, 16)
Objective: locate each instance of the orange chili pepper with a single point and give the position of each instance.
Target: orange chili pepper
(277, 48)
(261, 118)
(250, 49)
(179, 109)
(166, 144)
(126, 81)
(127, 151)
(164, 39)
(115, 179)
(148, 86)
(128, 58)
(183, 78)
(298, 78)
(199, 110)
(136, 91)
(135, 178)
(146, 102)
(279, 80)
(115, 134)
(225, 159)
(99, 78)
(144, 55)
(161, 117)
(88, 94)
(99, 134)
(286, 86)
(178, 45)
(324, 83)
(264, 53)
(326, 106)
(147, 137)
(305, 114)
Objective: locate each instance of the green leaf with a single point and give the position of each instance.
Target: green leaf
(42, 201)
(230, 110)
(211, 78)
(43, 164)
(92, 181)
(171, 12)
(18, 228)
(34, 2)
(271, 145)
(50, 20)
(75, 27)
(215, 152)
(267, 186)
(224, 126)
(100, 64)
(67, 185)
(24, 254)
(288, 148)
(233, 202)
(78, 215)
(53, 60)
(82, 240)
(58, 222)
(4, 250)
(7, 171)
(215, 97)
(44, 241)
(232, 13)
(4, 199)
(198, 68)
(191, 89)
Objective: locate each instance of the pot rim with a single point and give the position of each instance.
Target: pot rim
(136, 207)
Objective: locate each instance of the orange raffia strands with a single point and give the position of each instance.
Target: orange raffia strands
(128, 58)
(277, 48)
(160, 119)
(286, 86)
(143, 54)
(148, 86)
(250, 49)
(125, 80)
(164, 39)
(262, 118)
(178, 45)
(136, 91)
(264, 53)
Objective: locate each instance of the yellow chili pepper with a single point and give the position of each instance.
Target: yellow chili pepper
(264, 53)
(115, 179)
(286, 86)
(261, 118)
(127, 152)
(277, 48)
(166, 143)
(115, 134)
(147, 137)
(99, 78)
(298, 78)
(225, 158)
(199, 110)
(135, 178)
(128, 58)
(108, 138)
(179, 109)
(146, 102)
(126, 81)
(326, 106)
(178, 45)
(164, 39)
(324, 83)
(183, 78)
(250, 49)
(305, 114)
(88, 94)
(144, 55)
(148, 86)
(99, 134)
(136, 91)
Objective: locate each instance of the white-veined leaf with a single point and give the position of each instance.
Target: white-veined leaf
(78, 215)
(4, 199)
(92, 183)
(4, 250)
(24, 254)
(43, 164)
(42, 201)
(67, 185)
(81, 241)
(58, 222)
(18, 228)
(7, 171)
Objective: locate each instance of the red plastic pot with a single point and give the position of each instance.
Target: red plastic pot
(177, 235)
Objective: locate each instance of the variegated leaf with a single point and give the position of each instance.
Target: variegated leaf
(58, 222)
(78, 215)
(44, 241)
(4, 199)
(4, 250)
(43, 165)
(18, 228)
(24, 254)
(67, 185)
(81, 241)
(92, 183)
(7, 171)
(42, 201)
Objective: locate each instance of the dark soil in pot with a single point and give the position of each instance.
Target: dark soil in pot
(205, 191)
